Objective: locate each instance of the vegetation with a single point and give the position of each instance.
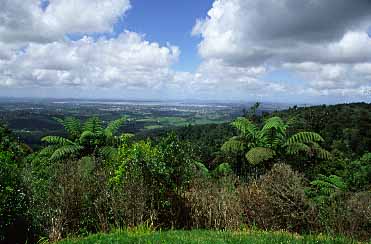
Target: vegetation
(203, 236)
(260, 172)
(89, 139)
(271, 142)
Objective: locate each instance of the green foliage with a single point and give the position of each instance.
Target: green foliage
(208, 237)
(325, 187)
(71, 125)
(223, 169)
(257, 155)
(358, 173)
(14, 198)
(89, 139)
(113, 127)
(93, 180)
(305, 137)
(271, 142)
(345, 126)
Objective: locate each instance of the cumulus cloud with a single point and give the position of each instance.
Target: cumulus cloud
(243, 31)
(126, 61)
(35, 53)
(324, 42)
(69, 16)
(26, 21)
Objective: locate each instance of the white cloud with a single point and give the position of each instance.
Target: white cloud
(325, 43)
(69, 16)
(25, 21)
(125, 62)
(35, 53)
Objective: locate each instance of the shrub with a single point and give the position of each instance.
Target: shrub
(277, 201)
(214, 204)
(358, 218)
(14, 199)
(69, 198)
(346, 213)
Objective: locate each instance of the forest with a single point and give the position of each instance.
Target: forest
(303, 170)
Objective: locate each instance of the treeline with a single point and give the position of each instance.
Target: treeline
(279, 171)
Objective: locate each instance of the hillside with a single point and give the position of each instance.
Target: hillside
(303, 170)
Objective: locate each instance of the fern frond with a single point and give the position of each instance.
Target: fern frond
(108, 152)
(56, 140)
(296, 148)
(202, 168)
(65, 152)
(274, 123)
(329, 184)
(86, 136)
(322, 153)
(258, 155)
(47, 151)
(113, 126)
(305, 137)
(233, 146)
(94, 125)
(71, 125)
(223, 169)
(245, 126)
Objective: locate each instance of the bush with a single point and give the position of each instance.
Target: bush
(14, 199)
(214, 204)
(15, 224)
(277, 201)
(70, 197)
(358, 218)
(347, 214)
(358, 173)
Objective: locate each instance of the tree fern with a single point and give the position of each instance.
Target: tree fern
(271, 141)
(91, 139)
(93, 125)
(305, 137)
(47, 151)
(245, 126)
(296, 148)
(222, 169)
(65, 151)
(233, 145)
(202, 168)
(327, 186)
(56, 140)
(108, 152)
(321, 153)
(274, 123)
(71, 125)
(86, 136)
(113, 127)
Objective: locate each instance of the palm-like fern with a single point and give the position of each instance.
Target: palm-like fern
(271, 140)
(326, 187)
(90, 138)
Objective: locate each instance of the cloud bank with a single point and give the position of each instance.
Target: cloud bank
(323, 43)
(319, 49)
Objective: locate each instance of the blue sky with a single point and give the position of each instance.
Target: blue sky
(313, 52)
(169, 21)
(163, 21)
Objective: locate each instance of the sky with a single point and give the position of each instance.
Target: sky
(309, 51)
